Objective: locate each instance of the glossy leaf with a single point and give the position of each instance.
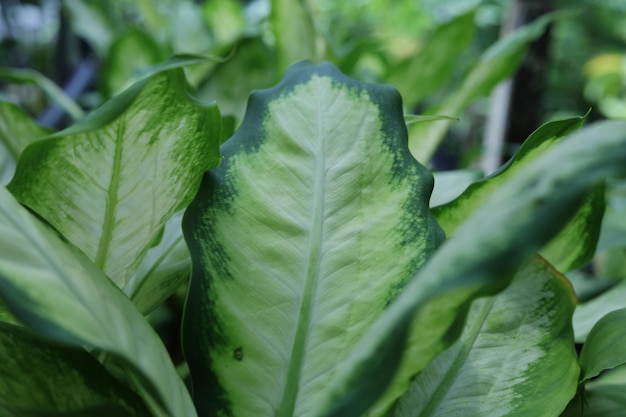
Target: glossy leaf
(55, 379)
(605, 346)
(17, 130)
(495, 65)
(55, 290)
(515, 355)
(481, 257)
(291, 239)
(576, 244)
(139, 156)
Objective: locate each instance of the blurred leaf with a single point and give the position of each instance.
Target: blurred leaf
(56, 291)
(496, 64)
(576, 244)
(92, 20)
(163, 270)
(588, 314)
(141, 154)
(131, 52)
(53, 379)
(451, 184)
(531, 318)
(17, 130)
(54, 93)
(517, 219)
(432, 67)
(604, 396)
(294, 33)
(225, 20)
(420, 118)
(251, 67)
(605, 346)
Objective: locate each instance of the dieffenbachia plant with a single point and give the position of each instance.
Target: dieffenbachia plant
(321, 283)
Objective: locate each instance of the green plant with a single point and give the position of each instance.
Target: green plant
(321, 282)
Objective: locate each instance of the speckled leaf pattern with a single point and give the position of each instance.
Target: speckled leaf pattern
(515, 356)
(140, 156)
(299, 240)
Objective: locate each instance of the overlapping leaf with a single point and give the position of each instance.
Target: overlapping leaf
(55, 290)
(299, 240)
(517, 219)
(48, 378)
(17, 130)
(576, 244)
(110, 183)
(495, 65)
(515, 355)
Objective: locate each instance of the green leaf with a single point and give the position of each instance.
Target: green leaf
(433, 65)
(110, 183)
(515, 355)
(294, 32)
(299, 240)
(576, 244)
(450, 184)
(54, 93)
(40, 376)
(163, 270)
(605, 346)
(420, 118)
(518, 218)
(588, 314)
(251, 67)
(604, 396)
(495, 65)
(131, 52)
(55, 290)
(17, 130)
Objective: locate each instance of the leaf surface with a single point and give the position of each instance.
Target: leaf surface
(433, 65)
(17, 130)
(40, 376)
(576, 244)
(294, 32)
(589, 313)
(605, 346)
(496, 64)
(163, 270)
(480, 258)
(299, 240)
(110, 183)
(55, 290)
(515, 355)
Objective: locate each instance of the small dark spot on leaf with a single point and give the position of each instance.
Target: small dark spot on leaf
(238, 354)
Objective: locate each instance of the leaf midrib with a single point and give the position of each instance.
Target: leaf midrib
(112, 201)
(297, 358)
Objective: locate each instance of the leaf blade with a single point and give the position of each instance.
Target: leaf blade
(283, 238)
(55, 290)
(142, 153)
(514, 357)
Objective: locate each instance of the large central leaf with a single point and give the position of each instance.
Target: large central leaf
(312, 224)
